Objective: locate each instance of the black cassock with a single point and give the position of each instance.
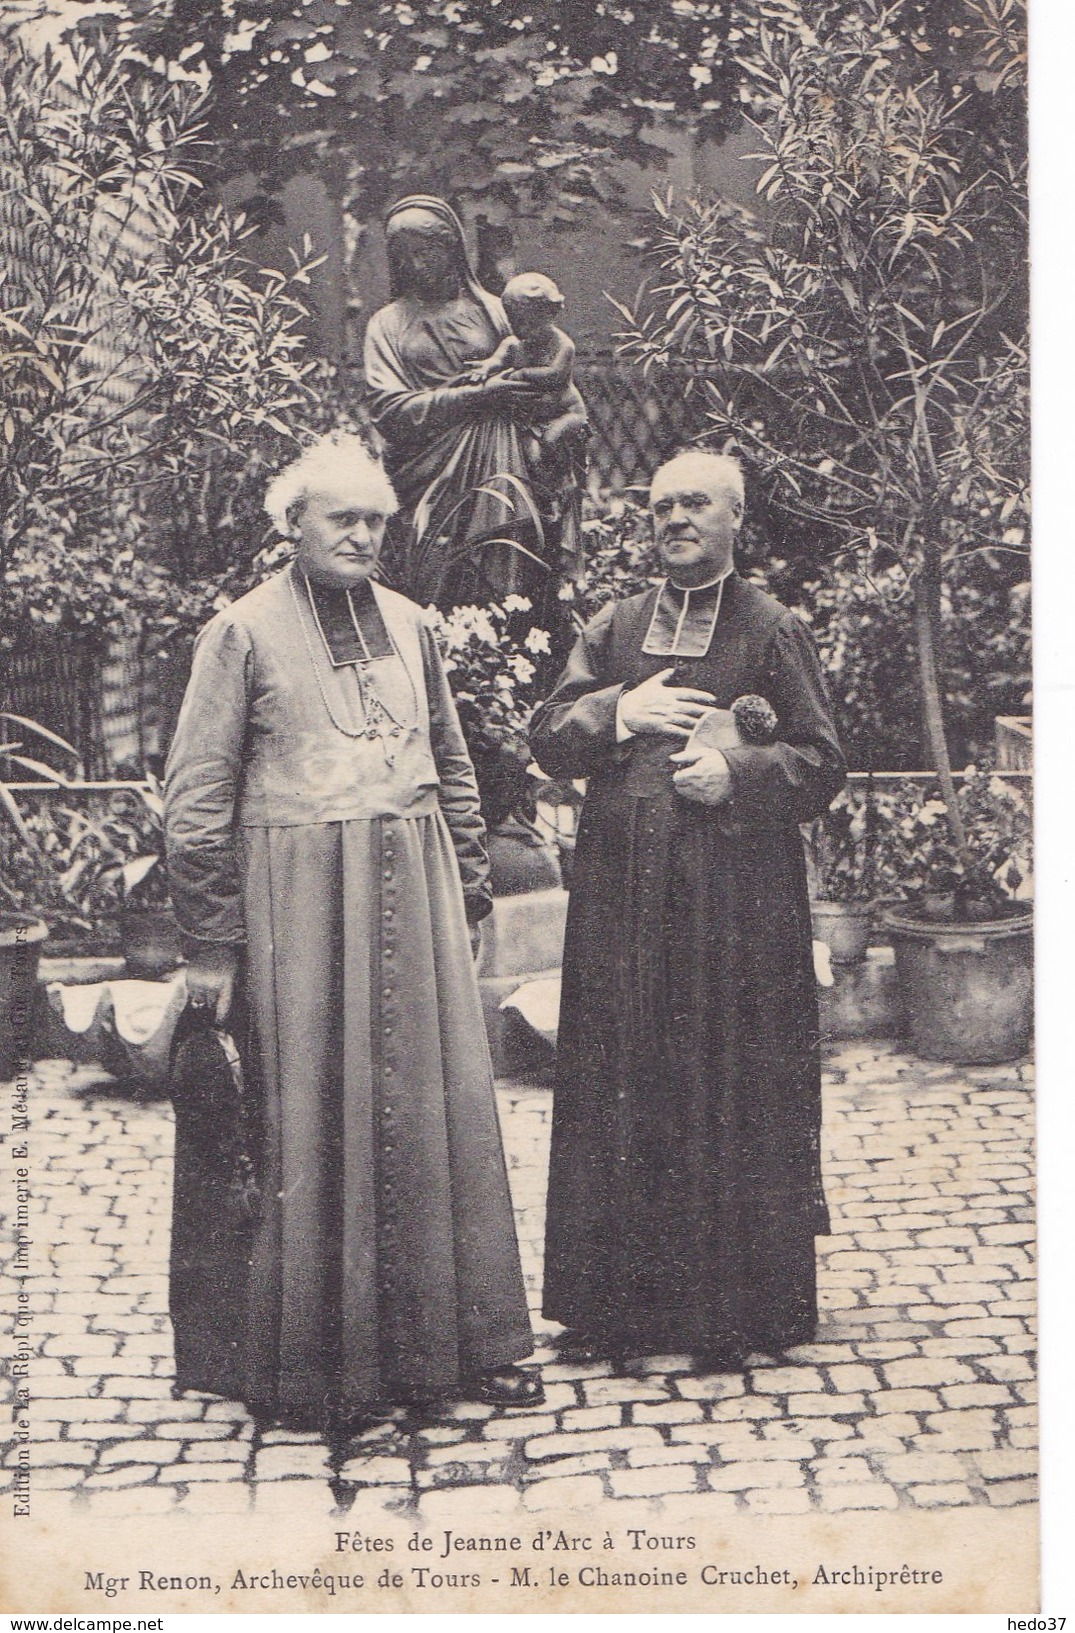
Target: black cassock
(685, 1183)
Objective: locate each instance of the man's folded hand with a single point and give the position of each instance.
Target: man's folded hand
(702, 775)
(657, 707)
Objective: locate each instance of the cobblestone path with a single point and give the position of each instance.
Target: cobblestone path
(919, 1392)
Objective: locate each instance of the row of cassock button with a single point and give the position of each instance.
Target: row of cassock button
(387, 1209)
(650, 832)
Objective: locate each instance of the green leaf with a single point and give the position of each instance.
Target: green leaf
(41, 731)
(14, 815)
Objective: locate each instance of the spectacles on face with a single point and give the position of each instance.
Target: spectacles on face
(689, 502)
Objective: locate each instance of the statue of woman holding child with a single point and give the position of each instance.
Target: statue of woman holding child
(483, 427)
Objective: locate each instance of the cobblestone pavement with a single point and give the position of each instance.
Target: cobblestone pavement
(919, 1392)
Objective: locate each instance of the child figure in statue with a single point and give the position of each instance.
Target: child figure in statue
(540, 355)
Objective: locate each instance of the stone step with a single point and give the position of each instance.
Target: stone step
(523, 933)
(517, 1050)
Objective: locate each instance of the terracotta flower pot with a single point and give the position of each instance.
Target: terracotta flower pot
(966, 989)
(844, 927)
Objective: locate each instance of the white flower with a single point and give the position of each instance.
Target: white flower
(467, 621)
(537, 641)
(517, 603)
(522, 668)
(701, 74)
(605, 65)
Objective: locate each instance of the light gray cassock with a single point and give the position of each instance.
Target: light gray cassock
(384, 1265)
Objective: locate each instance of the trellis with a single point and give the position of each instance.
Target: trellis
(101, 696)
(637, 421)
(57, 682)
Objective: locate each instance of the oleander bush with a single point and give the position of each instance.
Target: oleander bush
(862, 336)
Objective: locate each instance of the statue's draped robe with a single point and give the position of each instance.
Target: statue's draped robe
(384, 1265)
(460, 481)
(685, 1186)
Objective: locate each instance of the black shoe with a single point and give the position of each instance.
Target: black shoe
(728, 1357)
(509, 1386)
(793, 1338)
(294, 1420)
(581, 1349)
(342, 1424)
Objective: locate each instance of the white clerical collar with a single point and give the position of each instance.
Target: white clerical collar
(684, 631)
(696, 589)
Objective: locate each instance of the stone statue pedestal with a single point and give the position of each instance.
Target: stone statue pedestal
(522, 941)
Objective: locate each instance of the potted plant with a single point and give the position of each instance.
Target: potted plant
(963, 936)
(87, 863)
(21, 936)
(840, 871)
(864, 344)
(131, 871)
(33, 852)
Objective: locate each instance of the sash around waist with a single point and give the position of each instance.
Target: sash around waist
(262, 808)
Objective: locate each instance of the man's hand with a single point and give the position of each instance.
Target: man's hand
(211, 980)
(703, 775)
(656, 707)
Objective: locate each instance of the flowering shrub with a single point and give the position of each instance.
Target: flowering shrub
(893, 842)
(489, 654)
(619, 555)
(491, 672)
(841, 849)
(916, 858)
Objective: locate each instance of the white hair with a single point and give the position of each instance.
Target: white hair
(722, 468)
(341, 455)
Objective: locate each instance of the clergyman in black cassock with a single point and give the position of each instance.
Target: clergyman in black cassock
(685, 1185)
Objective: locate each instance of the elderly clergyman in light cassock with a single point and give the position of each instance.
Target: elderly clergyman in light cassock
(327, 860)
(685, 1186)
